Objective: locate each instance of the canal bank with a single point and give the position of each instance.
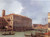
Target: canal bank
(21, 34)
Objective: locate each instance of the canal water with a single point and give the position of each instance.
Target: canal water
(19, 34)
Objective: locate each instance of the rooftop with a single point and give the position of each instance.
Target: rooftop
(49, 14)
(16, 15)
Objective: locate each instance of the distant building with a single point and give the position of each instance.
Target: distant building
(37, 26)
(40, 26)
(48, 21)
(15, 22)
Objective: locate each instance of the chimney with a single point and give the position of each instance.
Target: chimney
(3, 13)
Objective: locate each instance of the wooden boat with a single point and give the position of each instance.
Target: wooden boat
(27, 35)
(8, 33)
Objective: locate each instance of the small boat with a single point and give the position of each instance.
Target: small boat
(8, 33)
(27, 35)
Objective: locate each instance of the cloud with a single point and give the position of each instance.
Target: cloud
(40, 0)
(11, 6)
(37, 10)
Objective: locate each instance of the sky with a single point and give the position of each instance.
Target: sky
(37, 10)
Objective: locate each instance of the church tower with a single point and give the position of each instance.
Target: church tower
(3, 13)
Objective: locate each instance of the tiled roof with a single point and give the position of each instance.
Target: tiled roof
(16, 15)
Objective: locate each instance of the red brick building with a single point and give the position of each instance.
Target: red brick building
(15, 22)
